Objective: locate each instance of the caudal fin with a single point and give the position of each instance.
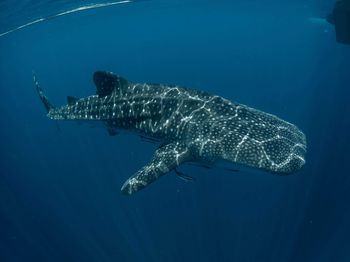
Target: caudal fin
(43, 98)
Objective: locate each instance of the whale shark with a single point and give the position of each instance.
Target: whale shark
(191, 126)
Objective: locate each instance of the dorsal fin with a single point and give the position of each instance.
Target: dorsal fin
(71, 100)
(107, 82)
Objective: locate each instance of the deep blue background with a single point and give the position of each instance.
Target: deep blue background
(59, 190)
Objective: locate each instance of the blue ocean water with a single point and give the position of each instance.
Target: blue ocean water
(60, 189)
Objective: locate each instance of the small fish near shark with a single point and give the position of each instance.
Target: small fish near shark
(191, 126)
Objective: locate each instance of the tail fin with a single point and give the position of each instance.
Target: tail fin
(41, 94)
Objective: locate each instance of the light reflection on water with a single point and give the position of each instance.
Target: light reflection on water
(66, 12)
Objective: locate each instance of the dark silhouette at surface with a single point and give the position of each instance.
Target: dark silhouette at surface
(340, 17)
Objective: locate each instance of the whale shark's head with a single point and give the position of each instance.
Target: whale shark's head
(264, 142)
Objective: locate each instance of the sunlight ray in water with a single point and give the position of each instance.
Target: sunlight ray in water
(78, 9)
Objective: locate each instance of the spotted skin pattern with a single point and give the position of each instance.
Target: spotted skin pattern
(191, 125)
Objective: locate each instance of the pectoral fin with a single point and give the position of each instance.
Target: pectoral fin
(165, 159)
